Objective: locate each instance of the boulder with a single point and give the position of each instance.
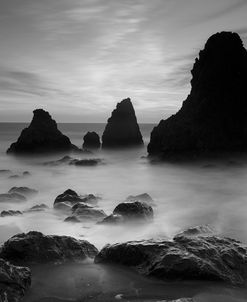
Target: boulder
(199, 257)
(42, 135)
(14, 281)
(212, 120)
(130, 212)
(12, 197)
(25, 191)
(72, 219)
(91, 141)
(86, 162)
(122, 129)
(68, 196)
(86, 213)
(10, 213)
(34, 247)
(144, 197)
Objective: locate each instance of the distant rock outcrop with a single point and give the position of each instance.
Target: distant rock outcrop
(91, 141)
(213, 117)
(198, 257)
(42, 135)
(122, 129)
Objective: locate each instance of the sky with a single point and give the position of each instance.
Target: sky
(78, 58)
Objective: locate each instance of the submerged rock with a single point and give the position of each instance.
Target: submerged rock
(34, 247)
(122, 129)
(130, 212)
(42, 135)
(185, 258)
(10, 213)
(25, 191)
(74, 161)
(14, 281)
(144, 197)
(12, 197)
(213, 117)
(38, 208)
(91, 141)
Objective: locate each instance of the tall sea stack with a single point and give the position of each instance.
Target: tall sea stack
(213, 117)
(122, 129)
(42, 135)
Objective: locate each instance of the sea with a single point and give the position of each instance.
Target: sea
(212, 192)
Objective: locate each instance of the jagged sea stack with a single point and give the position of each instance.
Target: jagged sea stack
(91, 141)
(213, 117)
(122, 129)
(42, 135)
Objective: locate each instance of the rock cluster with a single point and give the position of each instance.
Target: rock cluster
(42, 135)
(198, 257)
(91, 141)
(122, 129)
(213, 117)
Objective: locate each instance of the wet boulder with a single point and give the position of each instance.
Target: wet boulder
(87, 213)
(10, 213)
(91, 141)
(41, 136)
(122, 129)
(14, 281)
(25, 191)
(35, 247)
(199, 257)
(69, 196)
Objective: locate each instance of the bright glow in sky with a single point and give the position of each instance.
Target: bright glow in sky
(78, 58)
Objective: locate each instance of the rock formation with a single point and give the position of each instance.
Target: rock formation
(14, 281)
(122, 129)
(213, 117)
(42, 135)
(91, 141)
(198, 257)
(34, 247)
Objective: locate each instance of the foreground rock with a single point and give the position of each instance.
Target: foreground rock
(185, 258)
(91, 141)
(213, 117)
(25, 191)
(10, 213)
(122, 129)
(130, 212)
(34, 247)
(42, 135)
(12, 197)
(14, 281)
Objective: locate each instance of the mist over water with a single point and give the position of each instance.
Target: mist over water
(185, 195)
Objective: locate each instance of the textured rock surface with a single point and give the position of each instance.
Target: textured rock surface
(14, 281)
(213, 117)
(25, 191)
(42, 135)
(184, 258)
(130, 212)
(91, 141)
(34, 247)
(122, 129)
(86, 213)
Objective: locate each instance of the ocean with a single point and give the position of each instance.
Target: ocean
(206, 192)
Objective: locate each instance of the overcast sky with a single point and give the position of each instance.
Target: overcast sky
(78, 58)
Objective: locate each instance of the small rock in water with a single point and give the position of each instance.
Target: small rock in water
(10, 213)
(25, 191)
(12, 197)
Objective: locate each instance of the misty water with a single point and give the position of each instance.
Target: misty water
(208, 192)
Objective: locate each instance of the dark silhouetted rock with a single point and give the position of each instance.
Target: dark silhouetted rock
(122, 129)
(86, 162)
(26, 173)
(198, 257)
(14, 281)
(12, 197)
(42, 135)
(144, 197)
(10, 213)
(25, 191)
(72, 219)
(34, 247)
(213, 117)
(129, 212)
(91, 141)
(4, 171)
